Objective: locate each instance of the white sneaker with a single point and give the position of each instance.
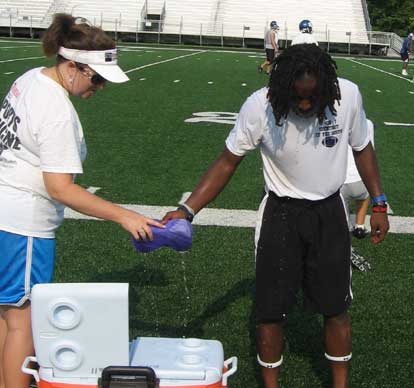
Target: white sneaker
(404, 72)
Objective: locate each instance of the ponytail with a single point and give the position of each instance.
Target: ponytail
(74, 33)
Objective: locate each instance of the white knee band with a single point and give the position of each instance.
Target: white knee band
(339, 359)
(270, 365)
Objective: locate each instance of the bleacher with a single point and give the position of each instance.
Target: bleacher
(333, 20)
(335, 17)
(24, 12)
(193, 19)
(111, 15)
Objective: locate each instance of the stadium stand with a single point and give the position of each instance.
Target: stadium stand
(334, 21)
(25, 11)
(324, 15)
(121, 15)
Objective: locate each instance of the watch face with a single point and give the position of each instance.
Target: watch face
(188, 216)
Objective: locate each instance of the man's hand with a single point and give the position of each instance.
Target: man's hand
(379, 227)
(172, 215)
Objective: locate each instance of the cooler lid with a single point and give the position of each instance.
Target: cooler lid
(179, 358)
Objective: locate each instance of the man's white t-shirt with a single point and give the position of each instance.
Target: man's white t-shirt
(304, 37)
(39, 132)
(301, 158)
(352, 174)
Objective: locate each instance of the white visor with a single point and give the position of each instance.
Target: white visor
(104, 62)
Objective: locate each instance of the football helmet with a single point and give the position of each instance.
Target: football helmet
(274, 25)
(305, 26)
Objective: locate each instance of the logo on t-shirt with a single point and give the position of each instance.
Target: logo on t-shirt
(9, 122)
(15, 90)
(330, 141)
(329, 131)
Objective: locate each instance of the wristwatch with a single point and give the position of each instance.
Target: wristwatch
(188, 212)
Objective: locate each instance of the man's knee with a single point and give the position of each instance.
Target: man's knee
(338, 320)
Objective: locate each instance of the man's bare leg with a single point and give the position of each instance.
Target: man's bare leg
(361, 209)
(270, 347)
(337, 332)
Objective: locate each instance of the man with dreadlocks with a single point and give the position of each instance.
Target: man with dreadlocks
(302, 124)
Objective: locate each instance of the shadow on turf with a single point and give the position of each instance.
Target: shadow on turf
(304, 339)
(303, 332)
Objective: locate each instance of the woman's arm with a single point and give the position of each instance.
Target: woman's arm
(61, 188)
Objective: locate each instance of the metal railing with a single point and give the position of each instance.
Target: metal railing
(366, 15)
(234, 34)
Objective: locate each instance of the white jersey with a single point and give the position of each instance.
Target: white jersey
(352, 174)
(39, 132)
(304, 37)
(268, 39)
(301, 158)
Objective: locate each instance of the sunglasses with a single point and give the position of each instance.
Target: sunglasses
(95, 78)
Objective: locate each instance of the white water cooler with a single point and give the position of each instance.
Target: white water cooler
(79, 329)
(81, 332)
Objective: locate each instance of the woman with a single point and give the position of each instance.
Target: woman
(41, 149)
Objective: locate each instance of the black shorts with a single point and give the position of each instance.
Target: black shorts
(404, 56)
(302, 244)
(270, 54)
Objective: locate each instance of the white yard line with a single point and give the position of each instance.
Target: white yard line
(395, 60)
(20, 41)
(380, 70)
(188, 49)
(184, 197)
(20, 59)
(398, 124)
(165, 61)
(233, 218)
(12, 47)
(93, 189)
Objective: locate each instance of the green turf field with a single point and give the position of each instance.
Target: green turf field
(142, 152)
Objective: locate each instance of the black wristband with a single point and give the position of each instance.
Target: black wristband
(188, 216)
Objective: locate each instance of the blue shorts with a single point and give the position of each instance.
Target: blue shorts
(24, 262)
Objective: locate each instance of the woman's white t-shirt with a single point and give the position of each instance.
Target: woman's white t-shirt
(40, 132)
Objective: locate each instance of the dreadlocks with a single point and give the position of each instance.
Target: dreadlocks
(290, 66)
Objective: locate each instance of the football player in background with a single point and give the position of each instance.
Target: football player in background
(271, 46)
(355, 190)
(406, 49)
(305, 35)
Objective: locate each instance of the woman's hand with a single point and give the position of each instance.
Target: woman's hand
(138, 225)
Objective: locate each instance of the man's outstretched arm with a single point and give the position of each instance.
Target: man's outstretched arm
(211, 184)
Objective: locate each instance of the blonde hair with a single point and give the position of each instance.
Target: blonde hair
(74, 33)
